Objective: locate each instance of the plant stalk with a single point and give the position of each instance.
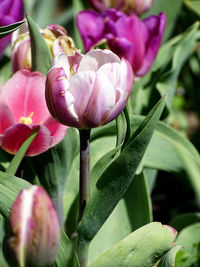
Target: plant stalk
(84, 188)
(84, 178)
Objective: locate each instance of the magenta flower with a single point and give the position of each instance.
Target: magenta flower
(11, 11)
(55, 36)
(35, 229)
(88, 91)
(128, 6)
(22, 109)
(127, 36)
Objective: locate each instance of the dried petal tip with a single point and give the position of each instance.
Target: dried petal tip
(35, 229)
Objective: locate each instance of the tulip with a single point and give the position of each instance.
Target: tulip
(11, 11)
(127, 36)
(86, 91)
(22, 109)
(35, 231)
(55, 36)
(128, 6)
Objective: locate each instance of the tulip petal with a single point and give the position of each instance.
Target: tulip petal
(94, 59)
(57, 130)
(55, 93)
(101, 102)
(6, 117)
(155, 26)
(11, 144)
(61, 61)
(91, 27)
(24, 95)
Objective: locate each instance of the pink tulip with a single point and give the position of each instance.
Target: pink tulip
(55, 36)
(86, 91)
(22, 109)
(35, 229)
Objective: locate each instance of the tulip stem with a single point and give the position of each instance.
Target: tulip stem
(84, 178)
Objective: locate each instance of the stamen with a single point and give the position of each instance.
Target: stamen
(27, 120)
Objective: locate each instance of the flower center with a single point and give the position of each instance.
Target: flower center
(27, 120)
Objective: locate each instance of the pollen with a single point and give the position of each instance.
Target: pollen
(27, 120)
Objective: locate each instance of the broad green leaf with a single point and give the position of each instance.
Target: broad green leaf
(170, 151)
(14, 164)
(66, 255)
(142, 248)
(5, 30)
(183, 220)
(115, 180)
(171, 9)
(40, 53)
(10, 186)
(127, 216)
(52, 167)
(194, 5)
(189, 239)
(2, 234)
(137, 199)
(168, 260)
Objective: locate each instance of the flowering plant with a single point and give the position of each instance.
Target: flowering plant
(99, 161)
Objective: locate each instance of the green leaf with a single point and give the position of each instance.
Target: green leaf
(40, 53)
(171, 9)
(5, 30)
(52, 167)
(66, 255)
(194, 5)
(142, 248)
(183, 220)
(189, 239)
(14, 164)
(168, 260)
(10, 186)
(115, 180)
(180, 53)
(138, 198)
(77, 7)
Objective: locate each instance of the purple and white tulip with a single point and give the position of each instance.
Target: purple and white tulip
(86, 91)
(35, 228)
(11, 11)
(55, 36)
(127, 36)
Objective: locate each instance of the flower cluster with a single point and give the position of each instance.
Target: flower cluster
(126, 35)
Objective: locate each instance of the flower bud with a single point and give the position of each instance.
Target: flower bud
(35, 229)
(55, 36)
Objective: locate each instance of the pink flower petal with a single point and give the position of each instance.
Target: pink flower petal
(57, 130)
(24, 94)
(6, 117)
(101, 102)
(56, 86)
(94, 59)
(11, 144)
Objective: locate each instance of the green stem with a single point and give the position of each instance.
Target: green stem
(84, 178)
(84, 188)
